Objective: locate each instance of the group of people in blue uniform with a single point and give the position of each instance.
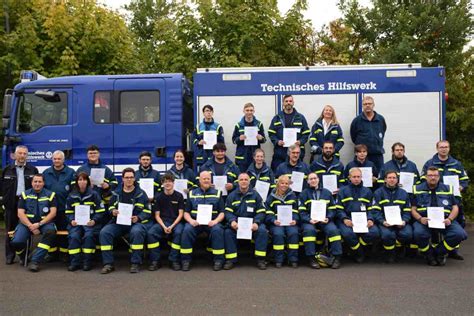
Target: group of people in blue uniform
(299, 209)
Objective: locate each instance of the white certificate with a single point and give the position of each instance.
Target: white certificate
(359, 220)
(180, 185)
(219, 183)
(82, 214)
(124, 216)
(367, 176)
(297, 179)
(147, 185)
(251, 133)
(330, 182)
(454, 181)
(97, 176)
(393, 215)
(204, 215)
(290, 136)
(244, 231)
(436, 217)
(262, 188)
(407, 179)
(318, 210)
(210, 137)
(284, 214)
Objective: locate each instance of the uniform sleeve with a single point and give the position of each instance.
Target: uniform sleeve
(21, 201)
(220, 134)
(113, 203)
(354, 130)
(53, 202)
(156, 185)
(99, 211)
(270, 213)
(196, 137)
(340, 140)
(406, 210)
(304, 204)
(275, 125)
(377, 209)
(260, 211)
(463, 177)
(313, 138)
(144, 212)
(295, 213)
(305, 131)
(236, 136)
(229, 211)
(331, 209)
(220, 203)
(340, 210)
(69, 210)
(110, 179)
(261, 131)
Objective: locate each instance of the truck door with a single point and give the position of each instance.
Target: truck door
(43, 123)
(140, 122)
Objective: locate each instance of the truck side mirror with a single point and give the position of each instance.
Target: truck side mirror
(7, 104)
(48, 95)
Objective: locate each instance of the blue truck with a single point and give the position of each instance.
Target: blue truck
(126, 114)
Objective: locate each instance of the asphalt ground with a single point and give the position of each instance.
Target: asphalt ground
(372, 288)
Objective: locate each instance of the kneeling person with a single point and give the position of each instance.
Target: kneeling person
(168, 209)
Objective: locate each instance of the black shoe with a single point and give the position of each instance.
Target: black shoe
(218, 265)
(294, 264)
(186, 266)
(455, 255)
(50, 257)
(107, 269)
(262, 265)
(87, 267)
(400, 252)
(441, 260)
(431, 261)
(10, 259)
(33, 267)
(176, 266)
(337, 263)
(359, 256)
(228, 265)
(313, 263)
(155, 265)
(278, 265)
(73, 268)
(134, 268)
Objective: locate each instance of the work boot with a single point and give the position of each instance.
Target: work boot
(336, 263)
(175, 266)
(10, 259)
(313, 263)
(441, 259)
(218, 265)
(390, 256)
(186, 266)
(431, 261)
(359, 256)
(87, 267)
(155, 265)
(228, 265)
(278, 265)
(294, 264)
(261, 264)
(107, 269)
(73, 268)
(455, 255)
(33, 266)
(134, 268)
(400, 252)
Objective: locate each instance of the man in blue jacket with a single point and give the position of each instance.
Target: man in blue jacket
(369, 128)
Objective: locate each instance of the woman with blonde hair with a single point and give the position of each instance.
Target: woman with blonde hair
(326, 128)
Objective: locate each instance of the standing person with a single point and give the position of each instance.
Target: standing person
(361, 161)
(168, 210)
(205, 194)
(82, 238)
(36, 212)
(326, 128)
(59, 178)
(180, 170)
(369, 128)
(244, 153)
(293, 164)
(400, 163)
(201, 155)
(283, 195)
(289, 118)
(135, 198)
(16, 178)
(146, 171)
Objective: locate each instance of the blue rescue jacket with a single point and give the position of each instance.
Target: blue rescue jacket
(199, 196)
(140, 203)
(200, 154)
(274, 200)
(91, 198)
(404, 166)
(37, 205)
(185, 173)
(336, 167)
(310, 194)
(334, 135)
(444, 198)
(450, 167)
(149, 174)
(385, 196)
(369, 133)
(354, 198)
(109, 178)
(244, 154)
(60, 183)
(247, 204)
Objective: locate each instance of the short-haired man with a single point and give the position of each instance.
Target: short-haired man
(243, 152)
(168, 208)
(361, 161)
(329, 165)
(291, 165)
(16, 178)
(36, 211)
(201, 155)
(245, 202)
(369, 128)
(146, 171)
(289, 118)
(127, 196)
(426, 195)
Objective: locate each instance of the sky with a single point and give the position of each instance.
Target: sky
(320, 12)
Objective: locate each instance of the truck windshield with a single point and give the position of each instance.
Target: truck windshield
(35, 112)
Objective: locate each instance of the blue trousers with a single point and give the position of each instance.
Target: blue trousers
(22, 234)
(330, 231)
(355, 240)
(453, 235)
(156, 233)
(260, 237)
(137, 233)
(82, 243)
(377, 159)
(216, 239)
(279, 234)
(390, 236)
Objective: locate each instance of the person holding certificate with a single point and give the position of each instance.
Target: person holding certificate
(407, 171)
(282, 219)
(214, 134)
(130, 215)
(204, 213)
(288, 123)
(182, 173)
(317, 210)
(329, 169)
(84, 212)
(168, 210)
(245, 202)
(326, 128)
(248, 135)
(354, 216)
(151, 178)
(295, 169)
(433, 197)
(360, 161)
(261, 176)
(391, 208)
